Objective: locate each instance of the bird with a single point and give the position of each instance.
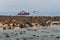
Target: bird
(36, 12)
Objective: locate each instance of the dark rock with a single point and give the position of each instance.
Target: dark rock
(28, 29)
(24, 38)
(37, 36)
(34, 35)
(17, 39)
(31, 37)
(24, 32)
(4, 28)
(35, 30)
(21, 33)
(51, 35)
(7, 36)
(58, 37)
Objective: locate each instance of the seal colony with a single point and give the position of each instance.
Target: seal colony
(28, 21)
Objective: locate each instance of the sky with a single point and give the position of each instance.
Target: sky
(45, 7)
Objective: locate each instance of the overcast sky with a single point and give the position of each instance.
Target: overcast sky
(45, 7)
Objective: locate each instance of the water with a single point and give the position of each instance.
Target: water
(34, 33)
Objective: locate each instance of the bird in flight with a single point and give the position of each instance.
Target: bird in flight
(36, 12)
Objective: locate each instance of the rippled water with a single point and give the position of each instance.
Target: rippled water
(34, 33)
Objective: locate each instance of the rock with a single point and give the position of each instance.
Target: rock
(21, 33)
(17, 39)
(7, 36)
(4, 28)
(34, 35)
(37, 36)
(24, 38)
(35, 30)
(51, 35)
(58, 37)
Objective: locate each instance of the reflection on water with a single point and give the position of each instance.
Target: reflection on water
(34, 33)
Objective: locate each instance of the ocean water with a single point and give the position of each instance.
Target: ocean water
(31, 33)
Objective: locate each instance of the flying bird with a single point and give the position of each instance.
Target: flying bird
(36, 12)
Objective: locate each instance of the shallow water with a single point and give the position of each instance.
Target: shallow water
(34, 33)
